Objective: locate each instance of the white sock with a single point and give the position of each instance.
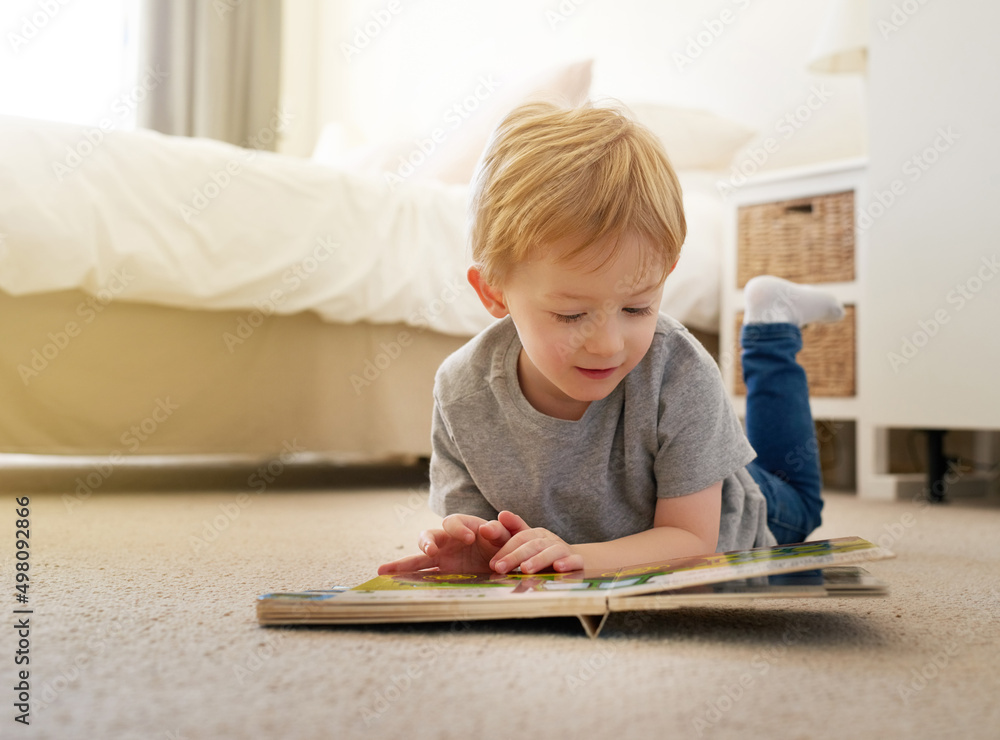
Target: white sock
(772, 300)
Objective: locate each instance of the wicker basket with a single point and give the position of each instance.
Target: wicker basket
(827, 356)
(806, 240)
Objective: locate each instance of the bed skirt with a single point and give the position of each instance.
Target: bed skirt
(83, 377)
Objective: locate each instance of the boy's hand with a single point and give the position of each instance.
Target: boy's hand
(465, 544)
(533, 549)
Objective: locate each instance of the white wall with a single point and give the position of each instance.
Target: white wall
(931, 341)
(743, 59)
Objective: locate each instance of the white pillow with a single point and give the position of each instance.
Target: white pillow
(692, 292)
(454, 158)
(694, 139)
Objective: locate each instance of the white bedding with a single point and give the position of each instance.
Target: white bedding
(199, 224)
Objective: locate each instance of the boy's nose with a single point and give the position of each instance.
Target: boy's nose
(607, 340)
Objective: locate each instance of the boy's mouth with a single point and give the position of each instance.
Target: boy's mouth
(597, 374)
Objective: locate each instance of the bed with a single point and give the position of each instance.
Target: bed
(171, 296)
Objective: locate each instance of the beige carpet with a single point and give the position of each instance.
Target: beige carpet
(144, 628)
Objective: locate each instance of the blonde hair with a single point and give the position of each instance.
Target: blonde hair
(550, 172)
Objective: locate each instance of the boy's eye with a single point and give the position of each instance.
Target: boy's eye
(644, 311)
(631, 311)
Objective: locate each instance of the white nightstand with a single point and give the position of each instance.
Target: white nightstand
(801, 224)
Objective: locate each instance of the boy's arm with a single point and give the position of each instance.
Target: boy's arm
(469, 535)
(682, 526)
(452, 489)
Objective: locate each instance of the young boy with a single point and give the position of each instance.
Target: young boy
(586, 429)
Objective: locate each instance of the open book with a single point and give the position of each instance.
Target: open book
(811, 569)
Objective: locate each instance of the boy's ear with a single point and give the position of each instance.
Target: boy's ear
(491, 298)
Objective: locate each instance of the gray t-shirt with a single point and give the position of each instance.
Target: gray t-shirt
(667, 429)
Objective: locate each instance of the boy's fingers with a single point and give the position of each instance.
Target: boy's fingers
(462, 526)
(430, 540)
(568, 563)
(512, 522)
(555, 556)
(507, 549)
(424, 541)
(494, 533)
(506, 562)
(406, 565)
(539, 537)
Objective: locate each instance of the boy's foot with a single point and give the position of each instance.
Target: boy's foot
(772, 300)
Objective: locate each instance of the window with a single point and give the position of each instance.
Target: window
(70, 60)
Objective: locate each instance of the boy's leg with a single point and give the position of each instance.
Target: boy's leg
(778, 418)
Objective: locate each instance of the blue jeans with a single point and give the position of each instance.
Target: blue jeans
(780, 427)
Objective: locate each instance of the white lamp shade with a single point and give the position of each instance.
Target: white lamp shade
(843, 44)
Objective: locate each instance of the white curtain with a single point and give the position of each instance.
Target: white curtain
(220, 68)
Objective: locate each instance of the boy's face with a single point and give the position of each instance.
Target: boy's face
(582, 327)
